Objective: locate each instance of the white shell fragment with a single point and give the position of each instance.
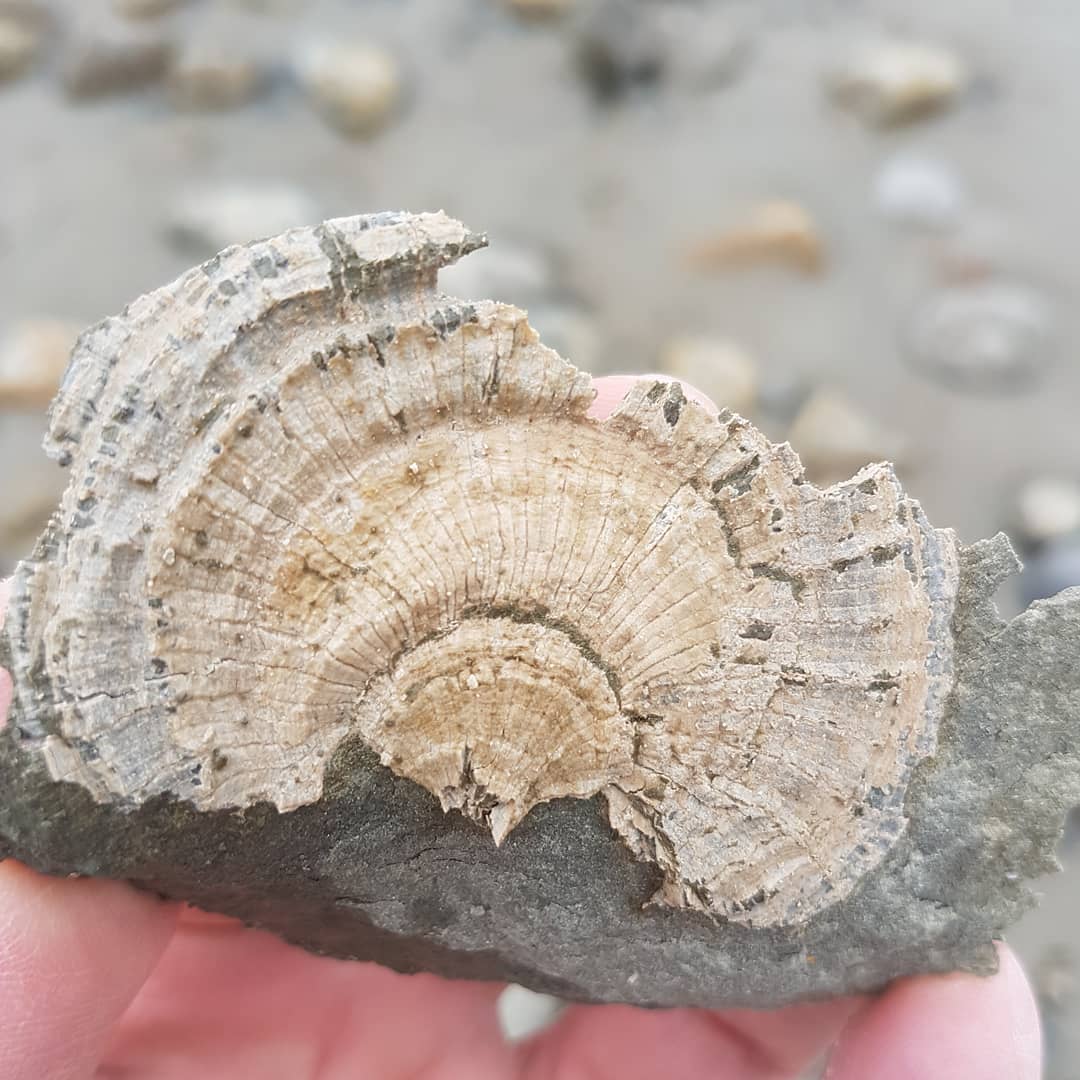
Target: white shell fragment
(892, 82)
(314, 499)
(919, 191)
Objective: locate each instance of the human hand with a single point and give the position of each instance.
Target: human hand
(99, 980)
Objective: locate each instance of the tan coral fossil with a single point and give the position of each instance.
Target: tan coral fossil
(325, 501)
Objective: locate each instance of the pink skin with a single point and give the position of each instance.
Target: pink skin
(98, 980)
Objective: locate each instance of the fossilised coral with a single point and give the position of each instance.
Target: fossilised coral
(319, 512)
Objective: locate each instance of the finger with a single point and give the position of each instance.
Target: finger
(938, 1027)
(228, 1002)
(623, 1043)
(72, 956)
(611, 389)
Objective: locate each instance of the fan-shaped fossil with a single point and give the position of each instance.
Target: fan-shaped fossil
(336, 546)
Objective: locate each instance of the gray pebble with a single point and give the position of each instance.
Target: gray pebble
(114, 59)
(988, 336)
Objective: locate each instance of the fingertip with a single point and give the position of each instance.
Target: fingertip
(940, 1026)
(73, 953)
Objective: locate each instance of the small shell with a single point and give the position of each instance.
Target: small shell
(776, 231)
(895, 82)
(379, 512)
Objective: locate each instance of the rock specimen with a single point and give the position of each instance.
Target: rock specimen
(355, 624)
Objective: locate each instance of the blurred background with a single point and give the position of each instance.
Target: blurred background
(855, 221)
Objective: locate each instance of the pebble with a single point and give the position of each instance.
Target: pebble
(540, 9)
(919, 191)
(720, 369)
(114, 59)
(357, 86)
(835, 439)
(33, 356)
(989, 336)
(522, 1013)
(20, 42)
(1055, 566)
(1048, 508)
(776, 232)
(210, 75)
(145, 9)
(896, 82)
(206, 220)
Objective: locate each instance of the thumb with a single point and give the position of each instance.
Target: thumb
(72, 956)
